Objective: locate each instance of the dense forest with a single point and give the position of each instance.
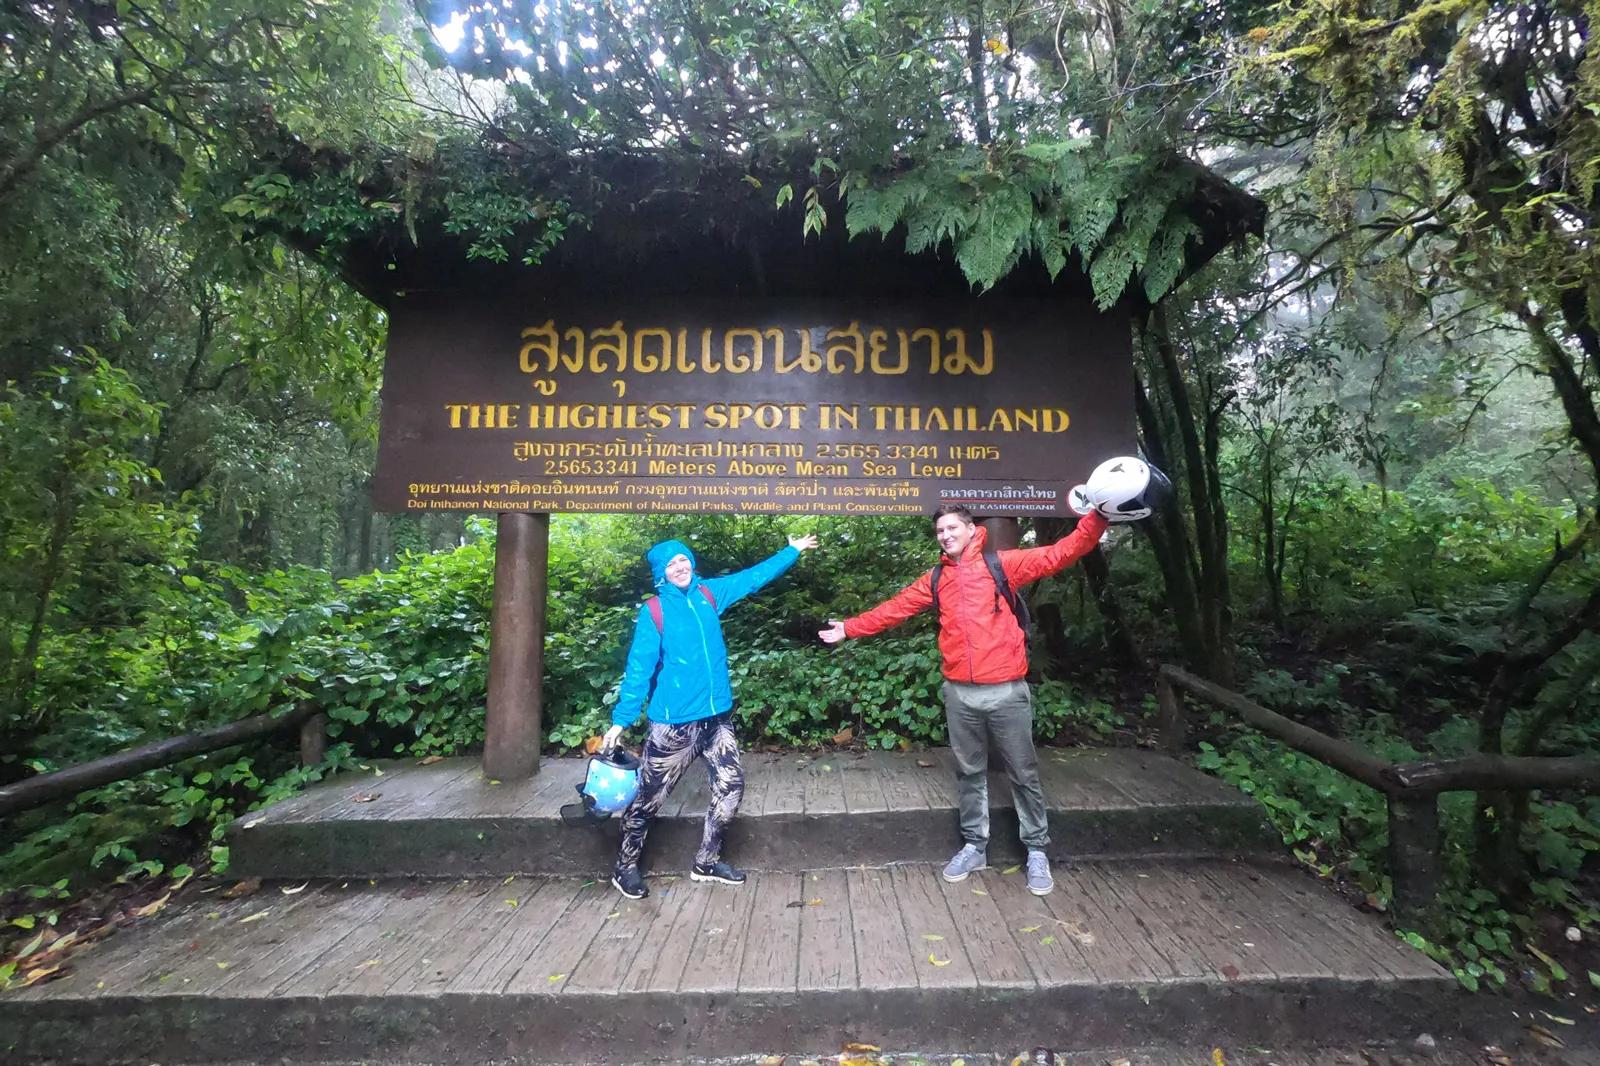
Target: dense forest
(1382, 414)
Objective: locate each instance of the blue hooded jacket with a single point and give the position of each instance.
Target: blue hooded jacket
(693, 682)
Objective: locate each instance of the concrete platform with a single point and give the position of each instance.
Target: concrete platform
(800, 812)
(562, 969)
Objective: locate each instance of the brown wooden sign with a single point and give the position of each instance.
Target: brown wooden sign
(798, 407)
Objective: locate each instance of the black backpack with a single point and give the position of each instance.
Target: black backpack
(1003, 591)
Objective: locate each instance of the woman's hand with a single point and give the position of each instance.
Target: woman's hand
(834, 633)
(800, 544)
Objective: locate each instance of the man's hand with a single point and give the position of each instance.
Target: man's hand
(800, 544)
(608, 743)
(1084, 500)
(834, 633)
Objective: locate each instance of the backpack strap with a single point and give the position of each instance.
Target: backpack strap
(1002, 588)
(656, 615)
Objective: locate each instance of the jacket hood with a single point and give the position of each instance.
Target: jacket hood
(659, 556)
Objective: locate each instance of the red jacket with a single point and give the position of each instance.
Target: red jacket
(979, 638)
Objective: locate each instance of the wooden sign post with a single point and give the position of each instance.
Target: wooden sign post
(516, 646)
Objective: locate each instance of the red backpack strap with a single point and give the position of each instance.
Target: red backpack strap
(654, 603)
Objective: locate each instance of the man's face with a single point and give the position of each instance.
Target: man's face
(953, 532)
(680, 570)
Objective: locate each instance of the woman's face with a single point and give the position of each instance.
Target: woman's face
(680, 570)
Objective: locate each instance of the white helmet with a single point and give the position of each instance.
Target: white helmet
(1124, 489)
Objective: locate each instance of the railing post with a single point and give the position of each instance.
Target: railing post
(1172, 721)
(314, 740)
(1413, 855)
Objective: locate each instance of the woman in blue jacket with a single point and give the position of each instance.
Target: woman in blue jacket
(677, 642)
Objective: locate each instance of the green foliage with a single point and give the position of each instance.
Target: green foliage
(997, 206)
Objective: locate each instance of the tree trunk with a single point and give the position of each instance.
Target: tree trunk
(1119, 640)
(1195, 569)
(980, 92)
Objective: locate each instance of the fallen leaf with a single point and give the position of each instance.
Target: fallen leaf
(1216, 1057)
(979, 892)
(1544, 1036)
(925, 764)
(938, 962)
(1010, 870)
(1496, 1057)
(814, 902)
(866, 1047)
(430, 760)
(150, 908)
(827, 769)
(257, 916)
(494, 780)
(592, 745)
(508, 880)
(1029, 929)
(770, 1060)
(240, 889)
(295, 891)
(1119, 1062)
(1231, 972)
(795, 903)
(511, 903)
(557, 977)
(1076, 932)
(904, 745)
(365, 797)
(844, 736)
(41, 973)
(1557, 1018)
(1046, 941)
(252, 823)
(369, 963)
(932, 936)
(613, 914)
(222, 966)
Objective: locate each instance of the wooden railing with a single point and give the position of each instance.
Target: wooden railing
(34, 791)
(1412, 789)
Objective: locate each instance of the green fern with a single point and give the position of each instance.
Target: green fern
(1165, 263)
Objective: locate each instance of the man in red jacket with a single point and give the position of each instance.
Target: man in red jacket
(985, 653)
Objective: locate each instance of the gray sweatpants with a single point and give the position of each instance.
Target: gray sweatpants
(1002, 714)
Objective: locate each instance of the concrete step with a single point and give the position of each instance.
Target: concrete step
(565, 970)
(445, 819)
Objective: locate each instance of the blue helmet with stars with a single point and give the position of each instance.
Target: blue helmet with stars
(611, 782)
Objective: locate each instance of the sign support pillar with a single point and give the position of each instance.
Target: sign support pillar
(1004, 532)
(516, 645)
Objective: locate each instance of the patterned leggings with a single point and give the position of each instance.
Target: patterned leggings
(668, 751)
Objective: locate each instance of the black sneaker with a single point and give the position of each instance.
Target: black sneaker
(627, 881)
(716, 871)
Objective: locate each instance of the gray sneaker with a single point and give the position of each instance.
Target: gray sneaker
(1040, 882)
(969, 858)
